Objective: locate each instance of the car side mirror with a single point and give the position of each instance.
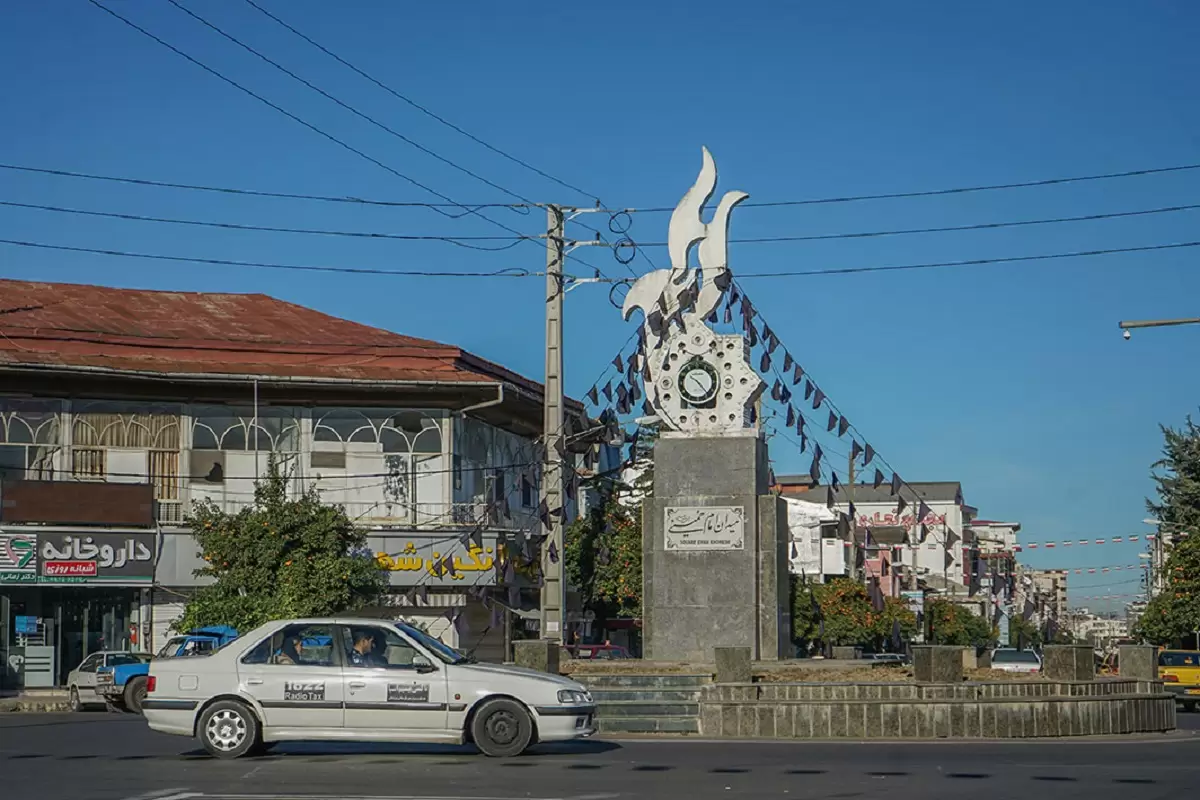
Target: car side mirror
(423, 665)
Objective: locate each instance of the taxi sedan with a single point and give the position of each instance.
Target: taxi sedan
(361, 680)
(1180, 673)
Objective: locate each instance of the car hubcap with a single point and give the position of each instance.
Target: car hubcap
(74, 699)
(226, 730)
(502, 727)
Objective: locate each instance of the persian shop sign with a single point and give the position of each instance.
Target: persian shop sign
(908, 521)
(72, 558)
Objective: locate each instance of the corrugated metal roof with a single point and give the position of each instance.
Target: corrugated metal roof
(76, 325)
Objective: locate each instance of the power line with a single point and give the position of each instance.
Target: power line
(507, 273)
(980, 226)
(252, 192)
(940, 192)
(460, 241)
(971, 262)
(362, 115)
(420, 107)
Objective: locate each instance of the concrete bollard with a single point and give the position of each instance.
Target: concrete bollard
(1139, 662)
(540, 654)
(1068, 662)
(937, 664)
(733, 664)
(846, 653)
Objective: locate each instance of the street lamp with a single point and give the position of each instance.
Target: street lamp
(1126, 327)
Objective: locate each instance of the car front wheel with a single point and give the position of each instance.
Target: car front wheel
(74, 702)
(229, 729)
(502, 728)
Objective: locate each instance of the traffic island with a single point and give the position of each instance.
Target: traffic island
(999, 710)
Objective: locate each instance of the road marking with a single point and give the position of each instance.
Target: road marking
(166, 794)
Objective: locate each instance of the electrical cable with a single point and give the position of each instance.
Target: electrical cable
(510, 273)
(953, 228)
(455, 240)
(418, 106)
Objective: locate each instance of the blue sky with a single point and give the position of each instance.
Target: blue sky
(1010, 378)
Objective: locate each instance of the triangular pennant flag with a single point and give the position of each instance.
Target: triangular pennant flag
(803, 441)
(799, 422)
(618, 363)
(818, 398)
(808, 389)
(752, 335)
(734, 296)
(776, 394)
(832, 421)
(855, 450)
(833, 481)
(785, 394)
(924, 533)
(878, 478)
(654, 320)
(607, 390)
(723, 280)
(771, 477)
(790, 420)
(711, 319)
(787, 361)
(843, 426)
(553, 553)
(922, 511)
(635, 393)
(797, 374)
(795, 552)
(766, 333)
(814, 470)
(868, 454)
(594, 396)
(896, 482)
(901, 504)
(853, 512)
(764, 364)
(728, 315)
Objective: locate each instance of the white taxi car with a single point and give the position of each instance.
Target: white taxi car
(362, 680)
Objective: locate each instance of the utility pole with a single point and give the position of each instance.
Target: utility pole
(1127, 325)
(854, 575)
(553, 592)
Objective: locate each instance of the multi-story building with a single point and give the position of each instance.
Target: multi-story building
(121, 408)
(890, 542)
(997, 542)
(1042, 597)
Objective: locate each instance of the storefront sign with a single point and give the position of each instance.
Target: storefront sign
(438, 560)
(53, 557)
(705, 528)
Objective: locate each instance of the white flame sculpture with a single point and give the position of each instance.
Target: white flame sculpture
(697, 381)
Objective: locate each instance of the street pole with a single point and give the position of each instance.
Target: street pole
(854, 574)
(553, 593)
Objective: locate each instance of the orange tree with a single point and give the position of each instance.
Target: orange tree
(603, 558)
(954, 624)
(840, 613)
(279, 557)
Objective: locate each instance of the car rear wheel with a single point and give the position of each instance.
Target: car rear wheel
(502, 728)
(229, 729)
(135, 694)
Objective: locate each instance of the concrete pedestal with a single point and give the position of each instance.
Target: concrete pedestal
(696, 598)
(1138, 662)
(937, 664)
(540, 654)
(1068, 662)
(733, 665)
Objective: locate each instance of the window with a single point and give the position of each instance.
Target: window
(29, 437)
(1168, 659)
(90, 663)
(527, 492)
(275, 429)
(439, 648)
(296, 645)
(1014, 657)
(380, 647)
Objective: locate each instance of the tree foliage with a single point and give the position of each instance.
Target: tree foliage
(1174, 613)
(953, 624)
(1023, 633)
(279, 557)
(603, 558)
(840, 613)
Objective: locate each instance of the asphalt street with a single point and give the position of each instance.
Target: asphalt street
(104, 757)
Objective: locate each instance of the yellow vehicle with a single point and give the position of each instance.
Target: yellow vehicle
(1180, 673)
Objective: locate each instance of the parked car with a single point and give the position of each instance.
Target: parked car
(598, 651)
(1180, 674)
(1010, 659)
(364, 680)
(124, 685)
(81, 681)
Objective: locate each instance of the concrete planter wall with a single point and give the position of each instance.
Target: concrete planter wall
(1008, 710)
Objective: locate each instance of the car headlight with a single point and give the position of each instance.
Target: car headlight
(574, 698)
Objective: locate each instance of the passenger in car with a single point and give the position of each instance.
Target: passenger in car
(290, 652)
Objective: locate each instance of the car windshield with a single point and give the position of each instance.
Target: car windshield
(443, 651)
(121, 659)
(1014, 657)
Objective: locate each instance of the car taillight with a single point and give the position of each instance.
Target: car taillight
(151, 682)
(1170, 678)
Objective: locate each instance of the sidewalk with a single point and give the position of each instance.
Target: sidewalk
(44, 700)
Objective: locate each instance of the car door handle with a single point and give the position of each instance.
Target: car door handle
(358, 685)
(254, 682)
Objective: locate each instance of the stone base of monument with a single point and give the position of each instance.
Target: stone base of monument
(1002, 710)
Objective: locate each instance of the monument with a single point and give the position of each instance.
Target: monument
(715, 566)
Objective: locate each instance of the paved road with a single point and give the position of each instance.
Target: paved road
(107, 757)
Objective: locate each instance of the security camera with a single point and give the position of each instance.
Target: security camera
(1126, 334)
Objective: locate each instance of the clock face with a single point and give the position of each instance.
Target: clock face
(698, 381)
